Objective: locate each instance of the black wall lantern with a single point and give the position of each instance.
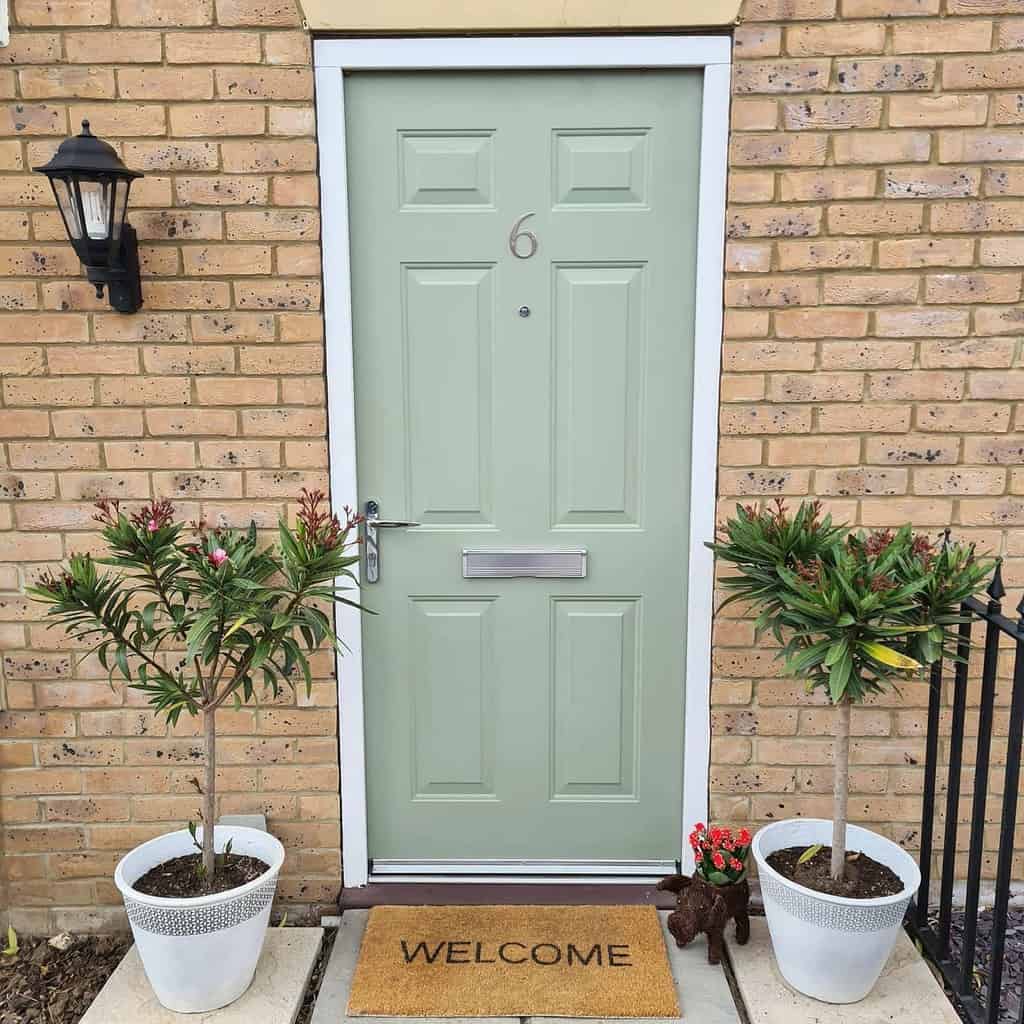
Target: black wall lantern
(91, 186)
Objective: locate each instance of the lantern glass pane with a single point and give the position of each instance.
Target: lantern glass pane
(68, 207)
(121, 186)
(96, 207)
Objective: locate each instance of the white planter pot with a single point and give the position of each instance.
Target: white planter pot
(200, 954)
(830, 947)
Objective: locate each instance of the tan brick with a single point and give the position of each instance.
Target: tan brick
(931, 182)
(889, 8)
(860, 481)
(193, 119)
(868, 354)
(864, 419)
(226, 259)
(178, 295)
(817, 387)
(38, 83)
(884, 74)
(292, 121)
(837, 39)
(160, 13)
(124, 120)
(881, 147)
(821, 323)
(62, 12)
(780, 76)
(999, 321)
(97, 47)
(988, 145)
(972, 287)
(779, 149)
(165, 83)
(191, 422)
(925, 252)
(869, 289)
(765, 419)
(982, 72)
(171, 156)
(774, 222)
(265, 83)
(255, 157)
(910, 323)
(781, 10)
(53, 455)
(741, 388)
(832, 113)
(875, 218)
(33, 119)
(959, 480)
(834, 183)
(970, 352)
(1008, 108)
(963, 417)
(917, 385)
(1001, 252)
(769, 355)
(295, 190)
(935, 111)
(912, 450)
(258, 12)
(230, 454)
(754, 114)
(277, 225)
(225, 190)
(288, 48)
(750, 41)
(217, 47)
(996, 385)
(32, 48)
(773, 291)
(949, 36)
(237, 391)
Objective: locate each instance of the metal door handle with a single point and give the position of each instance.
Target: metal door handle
(372, 542)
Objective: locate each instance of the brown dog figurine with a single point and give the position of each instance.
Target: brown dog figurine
(703, 907)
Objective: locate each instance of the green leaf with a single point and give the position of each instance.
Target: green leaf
(809, 853)
(11, 949)
(718, 878)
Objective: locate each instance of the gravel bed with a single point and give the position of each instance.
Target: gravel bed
(1013, 960)
(313, 988)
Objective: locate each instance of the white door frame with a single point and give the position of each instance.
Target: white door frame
(332, 58)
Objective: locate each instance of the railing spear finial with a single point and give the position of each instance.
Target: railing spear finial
(996, 591)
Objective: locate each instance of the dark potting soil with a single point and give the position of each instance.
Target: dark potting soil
(865, 877)
(41, 985)
(1013, 960)
(180, 877)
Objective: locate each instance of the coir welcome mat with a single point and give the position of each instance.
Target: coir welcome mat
(513, 962)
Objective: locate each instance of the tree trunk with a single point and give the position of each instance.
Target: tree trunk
(841, 765)
(209, 793)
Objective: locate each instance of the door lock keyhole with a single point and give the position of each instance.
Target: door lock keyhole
(524, 311)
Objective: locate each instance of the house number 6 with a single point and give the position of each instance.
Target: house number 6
(517, 233)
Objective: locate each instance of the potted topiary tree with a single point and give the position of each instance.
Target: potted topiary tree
(853, 614)
(194, 624)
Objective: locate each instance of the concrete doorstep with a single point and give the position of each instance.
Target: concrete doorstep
(906, 993)
(703, 990)
(274, 997)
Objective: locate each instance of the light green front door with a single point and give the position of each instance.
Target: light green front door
(537, 401)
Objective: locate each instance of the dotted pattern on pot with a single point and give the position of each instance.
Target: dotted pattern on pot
(200, 920)
(834, 916)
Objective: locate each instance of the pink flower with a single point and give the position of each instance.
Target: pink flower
(735, 864)
(718, 860)
(217, 557)
(744, 837)
(152, 526)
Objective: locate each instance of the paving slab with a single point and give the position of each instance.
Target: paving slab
(274, 997)
(704, 995)
(906, 993)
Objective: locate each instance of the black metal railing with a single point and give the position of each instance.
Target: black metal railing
(978, 987)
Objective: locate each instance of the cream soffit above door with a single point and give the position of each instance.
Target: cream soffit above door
(513, 15)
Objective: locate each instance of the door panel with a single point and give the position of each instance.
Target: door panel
(508, 403)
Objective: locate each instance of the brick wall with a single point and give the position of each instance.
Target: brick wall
(872, 352)
(871, 358)
(213, 395)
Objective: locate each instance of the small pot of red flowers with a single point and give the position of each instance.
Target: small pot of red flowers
(719, 856)
(716, 893)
